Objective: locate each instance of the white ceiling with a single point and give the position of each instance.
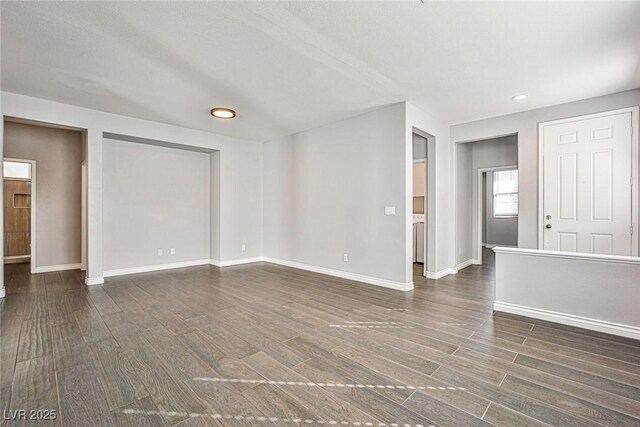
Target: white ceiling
(290, 66)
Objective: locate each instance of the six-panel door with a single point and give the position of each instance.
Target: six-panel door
(587, 185)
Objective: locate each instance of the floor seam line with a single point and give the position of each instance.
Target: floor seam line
(436, 370)
(505, 376)
(485, 411)
(405, 401)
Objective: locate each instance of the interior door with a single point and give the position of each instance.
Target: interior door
(587, 185)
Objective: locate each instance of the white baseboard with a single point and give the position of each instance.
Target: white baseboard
(235, 261)
(344, 275)
(495, 245)
(61, 267)
(466, 264)
(451, 270)
(570, 319)
(91, 281)
(155, 267)
(440, 274)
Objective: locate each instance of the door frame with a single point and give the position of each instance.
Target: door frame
(481, 201)
(83, 217)
(33, 207)
(430, 204)
(635, 160)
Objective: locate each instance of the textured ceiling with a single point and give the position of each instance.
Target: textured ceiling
(290, 66)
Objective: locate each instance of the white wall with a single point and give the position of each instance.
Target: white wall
(598, 292)
(241, 215)
(525, 124)
(58, 156)
(154, 198)
(497, 231)
(325, 191)
(240, 171)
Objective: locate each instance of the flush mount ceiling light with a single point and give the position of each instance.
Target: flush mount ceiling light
(223, 113)
(519, 97)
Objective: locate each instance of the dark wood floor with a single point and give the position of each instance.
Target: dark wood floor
(261, 344)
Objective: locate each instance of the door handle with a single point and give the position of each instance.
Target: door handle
(547, 226)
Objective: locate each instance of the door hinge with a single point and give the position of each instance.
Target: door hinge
(631, 230)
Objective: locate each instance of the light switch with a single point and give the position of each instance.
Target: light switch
(389, 210)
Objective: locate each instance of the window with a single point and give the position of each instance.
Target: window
(505, 194)
(17, 170)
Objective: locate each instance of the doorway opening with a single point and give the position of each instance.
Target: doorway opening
(43, 201)
(486, 198)
(421, 244)
(497, 209)
(19, 210)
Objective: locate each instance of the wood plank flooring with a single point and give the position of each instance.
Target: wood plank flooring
(266, 345)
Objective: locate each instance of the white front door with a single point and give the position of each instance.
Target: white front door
(587, 185)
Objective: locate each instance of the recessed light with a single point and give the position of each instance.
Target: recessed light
(519, 97)
(223, 113)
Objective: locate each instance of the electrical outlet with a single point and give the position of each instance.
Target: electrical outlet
(244, 248)
(173, 251)
(345, 257)
(159, 252)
